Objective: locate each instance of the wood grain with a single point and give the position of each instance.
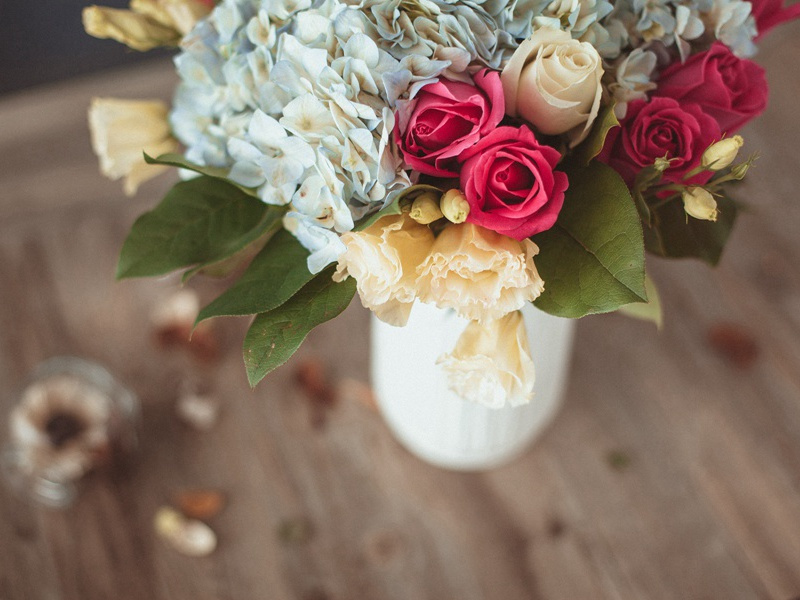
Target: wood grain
(669, 474)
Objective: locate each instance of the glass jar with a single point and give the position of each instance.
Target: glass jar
(71, 418)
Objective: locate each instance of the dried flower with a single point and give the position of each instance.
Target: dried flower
(61, 427)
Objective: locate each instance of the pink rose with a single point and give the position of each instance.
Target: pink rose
(660, 128)
(771, 13)
(730, 89)
(446, 118)
(509, 182)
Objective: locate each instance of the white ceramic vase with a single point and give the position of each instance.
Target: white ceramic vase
(438, 426)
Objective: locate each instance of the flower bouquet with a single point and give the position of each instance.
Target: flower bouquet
(473, 155)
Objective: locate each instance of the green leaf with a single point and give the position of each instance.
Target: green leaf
(198, 221)
(240, 250)
(593, 144)
(274, 276)
(395, 206)
(674, 234)
(274, 336)
(592, 260)
(647, 311)
(179, 161)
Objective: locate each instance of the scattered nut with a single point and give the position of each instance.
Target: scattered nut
(200, 504)
(187, 536)
(174, 317)
(353, 390)
(198, 411)
(734, 343)
(203, 344)
(295, 531)
(314, 380)
(618, 460)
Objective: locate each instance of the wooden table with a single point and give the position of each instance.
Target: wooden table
(670, 473)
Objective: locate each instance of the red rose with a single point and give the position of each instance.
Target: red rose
(771, 13)
(657, 129)
(509, 182)
(730, 89)
(446, 118)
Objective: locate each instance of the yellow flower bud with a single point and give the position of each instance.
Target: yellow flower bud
(121, 130)
(700, 204)
(425, 208)
(135, 30)
(721, 154)
(455, 206)
(176, 14)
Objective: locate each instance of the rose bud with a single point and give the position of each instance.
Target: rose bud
(700, 204)
(721, 154)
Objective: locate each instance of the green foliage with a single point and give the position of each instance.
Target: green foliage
(674, 234)
(593, 144)
(273, 277)
(199, 222)
(592, 260)
(276, 335)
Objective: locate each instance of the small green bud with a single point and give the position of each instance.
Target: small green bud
(661, 164)
(739, 171)
(425, 208)
(455, 206)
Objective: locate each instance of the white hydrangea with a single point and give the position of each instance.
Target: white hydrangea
(632, 79)
(294, 101)
(733, 25)
(575, 16)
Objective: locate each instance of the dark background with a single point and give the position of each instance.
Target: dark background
(43, 40)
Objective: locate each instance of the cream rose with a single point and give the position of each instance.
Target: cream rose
(553, 81)
(121, 130)
(481, 274)
(491, 364)
(383, 259)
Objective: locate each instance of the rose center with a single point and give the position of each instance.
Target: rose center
(513, 182)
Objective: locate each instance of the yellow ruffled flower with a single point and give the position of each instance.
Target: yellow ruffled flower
(135, 30)
(480, 273)
(121, 130)
(383, 259)
(491, 363)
